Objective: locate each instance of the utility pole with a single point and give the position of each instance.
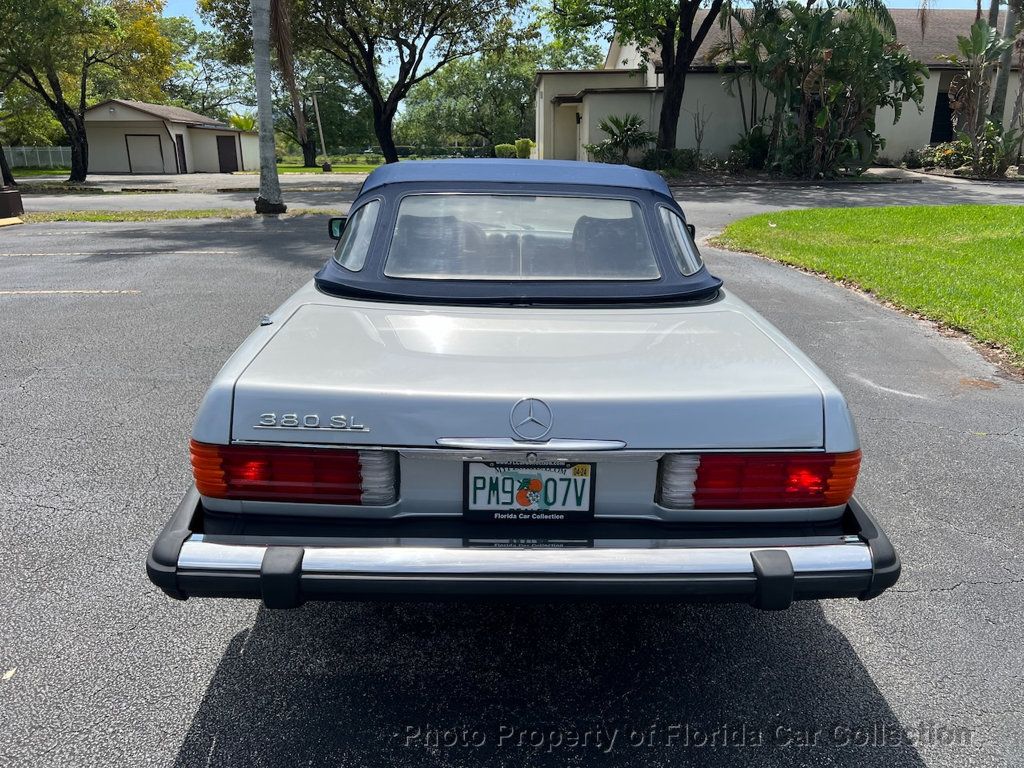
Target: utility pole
(319, 125)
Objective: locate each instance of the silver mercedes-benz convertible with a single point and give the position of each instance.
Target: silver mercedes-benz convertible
(517, 378)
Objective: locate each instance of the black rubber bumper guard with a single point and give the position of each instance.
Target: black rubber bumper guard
(281, 583)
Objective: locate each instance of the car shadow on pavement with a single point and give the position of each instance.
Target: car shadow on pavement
(605, 684)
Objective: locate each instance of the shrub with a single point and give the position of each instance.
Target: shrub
(994, 151)
(524, 147)
(949, 155)
(828, 68)
(685, 160)
(624, 135)
(738, 160)
(675, 160)
(604, 152)
(756, 145)
(372, 159)
(656, 159)
(913, 158)
(504, 150)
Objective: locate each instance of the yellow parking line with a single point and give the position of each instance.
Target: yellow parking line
(76, 292)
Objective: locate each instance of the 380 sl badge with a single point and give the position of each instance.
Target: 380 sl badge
(340, 422)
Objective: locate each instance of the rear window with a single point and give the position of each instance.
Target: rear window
(520, 237)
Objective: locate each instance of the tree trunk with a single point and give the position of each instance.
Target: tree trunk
(993, 14)
(1018, 102)
(383, 129)
(79, 153)
(269, 200)
(671, 106)
(309, 153)
(1003, 78)
(6, 177)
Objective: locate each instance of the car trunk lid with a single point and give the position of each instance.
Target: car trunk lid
(360, 373)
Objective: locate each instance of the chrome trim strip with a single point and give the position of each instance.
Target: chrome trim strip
(507, 443)
(197, 554)
(202, 555)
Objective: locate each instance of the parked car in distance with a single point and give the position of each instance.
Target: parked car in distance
(518, 378)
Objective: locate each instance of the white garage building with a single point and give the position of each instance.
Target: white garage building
(136, 137)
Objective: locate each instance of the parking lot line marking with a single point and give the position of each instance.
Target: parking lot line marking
(890, 390)
(123, 253)
(72, 292)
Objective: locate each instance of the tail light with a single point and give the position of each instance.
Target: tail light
(757, 480)
(274, 473)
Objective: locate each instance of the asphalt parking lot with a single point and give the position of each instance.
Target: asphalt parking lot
(109, 334)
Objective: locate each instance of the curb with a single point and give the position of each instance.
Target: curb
(789, 183)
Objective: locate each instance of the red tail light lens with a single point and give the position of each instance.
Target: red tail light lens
(274, 473)
(758, 480)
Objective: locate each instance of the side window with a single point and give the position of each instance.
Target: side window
(355, 241)
(683, 249)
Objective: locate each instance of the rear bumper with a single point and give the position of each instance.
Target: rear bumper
(632, 561)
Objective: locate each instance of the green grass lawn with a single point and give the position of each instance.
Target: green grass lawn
(28, 173)
(962, 265)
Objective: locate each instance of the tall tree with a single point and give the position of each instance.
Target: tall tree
(67, 49)
(6, 177)
(25, 119)
(389, 47)
(488, 98)
(344, 108)
(204, 78)
(269, 200)
(8, 23)
(1002, 84)
(675, 29)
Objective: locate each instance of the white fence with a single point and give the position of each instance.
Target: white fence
(38, 157)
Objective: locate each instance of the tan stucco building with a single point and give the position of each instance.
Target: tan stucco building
(571, 103)
(136, 137)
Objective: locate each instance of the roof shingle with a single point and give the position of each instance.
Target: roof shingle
(165, 112)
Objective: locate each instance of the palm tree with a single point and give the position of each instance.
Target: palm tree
(269, 200)
(1013, 10)
(245, 121)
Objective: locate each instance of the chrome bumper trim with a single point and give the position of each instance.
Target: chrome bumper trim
(200, 555)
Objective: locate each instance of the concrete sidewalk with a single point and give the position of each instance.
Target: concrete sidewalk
(199, 182)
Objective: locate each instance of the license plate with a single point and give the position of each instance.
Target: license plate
(529, 492)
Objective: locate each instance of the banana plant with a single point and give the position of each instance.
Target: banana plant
(978, 53)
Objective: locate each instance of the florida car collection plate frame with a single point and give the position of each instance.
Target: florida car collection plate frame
(512, 491)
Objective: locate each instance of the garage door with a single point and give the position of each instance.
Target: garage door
(145, 153)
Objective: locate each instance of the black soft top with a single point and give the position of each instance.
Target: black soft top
(526, 177)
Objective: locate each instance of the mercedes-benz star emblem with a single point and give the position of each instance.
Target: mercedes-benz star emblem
(531, 418)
